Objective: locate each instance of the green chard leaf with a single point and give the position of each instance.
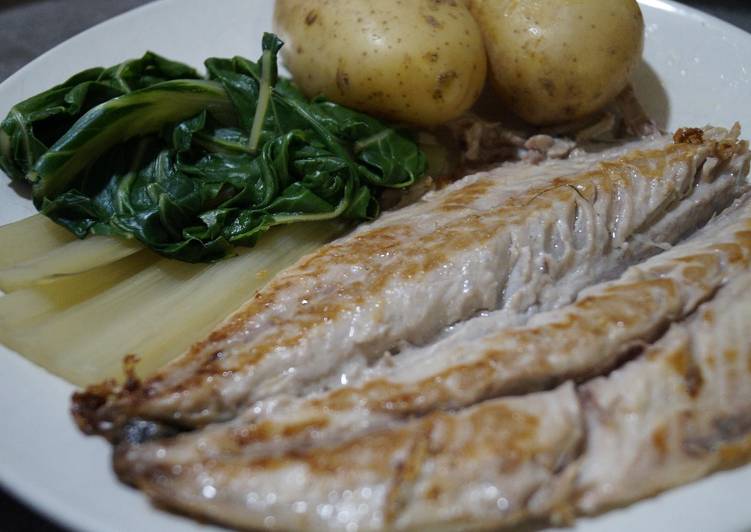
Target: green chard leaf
(32, 126)
(193, 167)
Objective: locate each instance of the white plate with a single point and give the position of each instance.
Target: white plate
(696, 72)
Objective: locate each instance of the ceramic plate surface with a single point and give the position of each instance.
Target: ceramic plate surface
(697, 70)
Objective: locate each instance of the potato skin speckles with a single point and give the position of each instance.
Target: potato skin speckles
(554, 62)
(342, 81)
(421, 62)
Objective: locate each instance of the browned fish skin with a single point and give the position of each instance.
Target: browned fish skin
(680, 412)
(606, 323)
(495, 463)
(485, 242)
(675, 414)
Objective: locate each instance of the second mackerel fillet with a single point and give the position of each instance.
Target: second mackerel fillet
(521, 239)
(608, 322)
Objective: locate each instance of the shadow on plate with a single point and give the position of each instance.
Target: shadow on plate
(651, 94)
(20, 188)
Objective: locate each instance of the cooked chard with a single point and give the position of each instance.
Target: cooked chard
(194, 167)
(153, 312)
(33, 125)
(116, 121)
(42, 301)
(30, 238)
(74, 257)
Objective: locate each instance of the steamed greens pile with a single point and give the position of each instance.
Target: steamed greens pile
(193, 166)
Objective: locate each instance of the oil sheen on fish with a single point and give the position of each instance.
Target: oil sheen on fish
(495, 462)
(520, 238)
(679, 411)
(607, 322)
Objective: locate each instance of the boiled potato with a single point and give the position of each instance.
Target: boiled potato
(417, 61)
(556, 61)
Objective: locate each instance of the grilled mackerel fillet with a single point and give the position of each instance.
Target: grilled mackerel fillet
(490, 464)
(521, 239)
(679, 411)
(607, 323)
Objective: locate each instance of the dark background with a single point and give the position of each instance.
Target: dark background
(30, 27)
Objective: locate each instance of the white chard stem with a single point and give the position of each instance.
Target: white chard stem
(80, 326)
